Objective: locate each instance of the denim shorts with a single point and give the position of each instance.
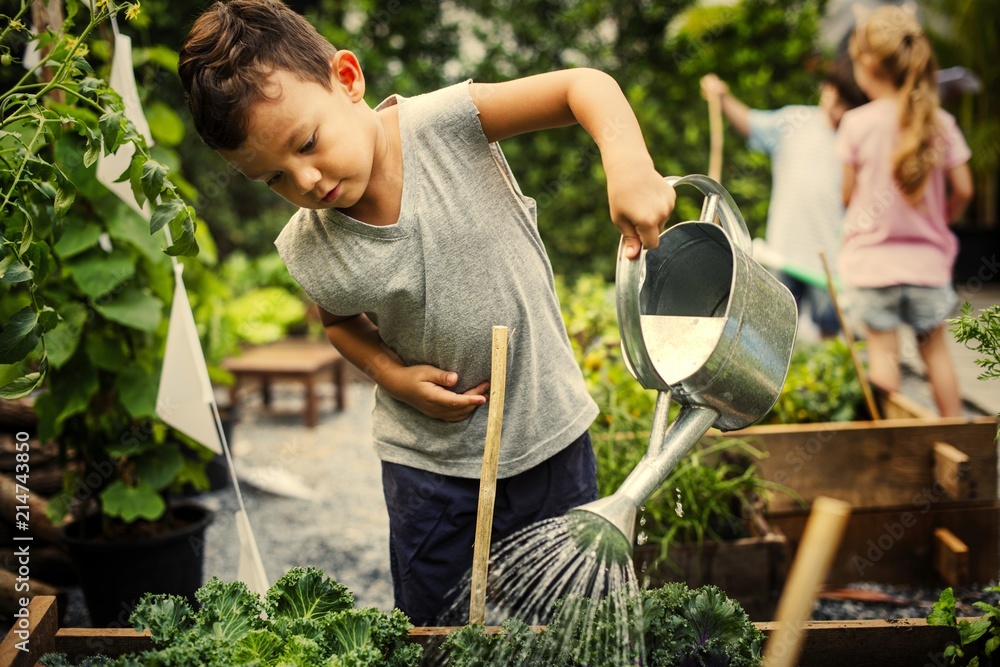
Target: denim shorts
(922, 307)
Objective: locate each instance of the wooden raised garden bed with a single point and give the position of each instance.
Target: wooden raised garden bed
(923, 492)
(825, 643)
(751, 570)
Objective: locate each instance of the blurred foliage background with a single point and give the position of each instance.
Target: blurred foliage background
(767, 50)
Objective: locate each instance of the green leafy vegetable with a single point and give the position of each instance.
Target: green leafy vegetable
(305, 620)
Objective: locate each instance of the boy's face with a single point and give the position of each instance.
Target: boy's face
(310, 145)
(830, 103)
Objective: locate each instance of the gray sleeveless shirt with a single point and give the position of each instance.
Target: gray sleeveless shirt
(465, 255)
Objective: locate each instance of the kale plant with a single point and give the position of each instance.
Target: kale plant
(305, 620)
(682, 628)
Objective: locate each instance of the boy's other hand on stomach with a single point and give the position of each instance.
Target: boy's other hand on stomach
(426, 389)
(641, 201)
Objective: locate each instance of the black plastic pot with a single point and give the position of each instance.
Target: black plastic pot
(115, 575)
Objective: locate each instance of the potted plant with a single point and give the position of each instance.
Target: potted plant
(85, 297)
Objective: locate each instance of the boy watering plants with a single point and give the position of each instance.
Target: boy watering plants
(414, 239)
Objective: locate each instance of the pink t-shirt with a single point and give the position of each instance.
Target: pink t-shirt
(886, 239)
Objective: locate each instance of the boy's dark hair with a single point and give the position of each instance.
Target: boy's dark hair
(230, 51)
(840, 75)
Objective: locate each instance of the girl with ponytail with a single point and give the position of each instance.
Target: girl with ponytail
(906, 178)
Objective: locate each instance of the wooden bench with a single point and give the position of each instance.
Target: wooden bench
(306, 362)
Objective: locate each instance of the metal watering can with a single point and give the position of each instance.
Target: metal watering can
(704, 324)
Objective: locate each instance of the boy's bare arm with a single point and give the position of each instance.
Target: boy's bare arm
(639, 199)
(423, 387)
(737, 112)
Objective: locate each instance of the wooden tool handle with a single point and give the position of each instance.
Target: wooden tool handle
(488, 478)
(715, 131)
(824, 529)
(866, 388)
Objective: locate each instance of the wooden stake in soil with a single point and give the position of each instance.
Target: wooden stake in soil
(488, 478)
(824, 529)
(866, 388)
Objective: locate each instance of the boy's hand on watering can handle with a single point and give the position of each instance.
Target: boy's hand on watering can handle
(641, 201)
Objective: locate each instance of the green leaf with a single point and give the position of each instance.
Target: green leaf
(77, 238)
(14, 272)
(165, 616)
(110, 353)
(137, 390)
(62, 341)
(943, 612)
(153, 174)
(92, 154)
(306, 593)
(21, 387)
(132, 502)
(261, 647)
(159, 466)
(164, 213)
(165, 124)
(970, 632)
(135, 178)
(112, 129)
(134, 308)
(98, 273)
(65, 195)
(20, 336)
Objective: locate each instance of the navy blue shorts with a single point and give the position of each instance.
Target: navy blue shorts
(432, 520)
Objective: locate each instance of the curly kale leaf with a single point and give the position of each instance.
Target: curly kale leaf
(165, 616)
(228, 610)
(305, 593)
(700, 627)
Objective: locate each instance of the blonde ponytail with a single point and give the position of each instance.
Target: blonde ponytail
(904, 57)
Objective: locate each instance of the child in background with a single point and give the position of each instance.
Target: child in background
(805, 213)
(906, 179)
(414, 239)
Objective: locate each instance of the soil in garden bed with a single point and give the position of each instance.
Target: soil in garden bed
(868, 601)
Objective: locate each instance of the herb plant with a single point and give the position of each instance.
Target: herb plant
(980, 333)
(978, 639)
(305, 620)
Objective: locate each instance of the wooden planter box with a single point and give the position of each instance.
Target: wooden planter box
(923, 492)
(825, 643)
(751, 571)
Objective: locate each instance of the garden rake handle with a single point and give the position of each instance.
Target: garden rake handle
(858, 368)
(715, 131)
(488, 478)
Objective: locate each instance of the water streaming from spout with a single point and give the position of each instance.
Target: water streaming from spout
(573, 571)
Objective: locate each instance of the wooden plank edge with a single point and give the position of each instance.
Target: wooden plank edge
(30, 636)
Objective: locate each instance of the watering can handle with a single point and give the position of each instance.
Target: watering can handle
(729, 215)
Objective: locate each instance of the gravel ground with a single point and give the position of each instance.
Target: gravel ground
(339, 522)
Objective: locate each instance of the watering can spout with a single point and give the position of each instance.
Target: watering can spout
(619, 509)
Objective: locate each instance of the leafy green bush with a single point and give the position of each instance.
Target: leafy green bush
(822, 386)
(305, 620)
(85, 287)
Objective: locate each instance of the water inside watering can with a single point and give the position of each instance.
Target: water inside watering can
(680, 345)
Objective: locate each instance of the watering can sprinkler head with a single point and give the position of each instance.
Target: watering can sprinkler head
(619, 509)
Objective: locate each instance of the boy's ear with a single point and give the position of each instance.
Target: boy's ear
(345, 71)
